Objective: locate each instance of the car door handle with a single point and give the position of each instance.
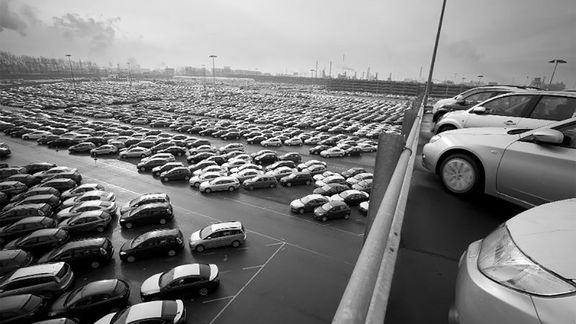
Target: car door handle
(510, 122)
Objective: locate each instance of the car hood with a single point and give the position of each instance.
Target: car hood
(444, 102)
(296, 203)
(151, 285)
(547, 235)
(195, 236)
(106, 319)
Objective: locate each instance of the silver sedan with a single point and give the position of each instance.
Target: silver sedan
(527, 168)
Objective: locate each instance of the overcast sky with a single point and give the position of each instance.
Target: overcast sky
(507, 41)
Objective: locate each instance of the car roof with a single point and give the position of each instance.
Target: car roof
(185, 270)
(226, 225)
(146, 310)
(35, 270)
(96, 241)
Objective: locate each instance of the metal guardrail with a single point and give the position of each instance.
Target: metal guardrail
(366, 296)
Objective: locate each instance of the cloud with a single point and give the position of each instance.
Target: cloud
(16, 19)
(99, 33)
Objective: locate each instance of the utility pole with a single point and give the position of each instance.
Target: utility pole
(213, 75)
(429, 83)
(330, 71)
(72, 73)
(316, 70)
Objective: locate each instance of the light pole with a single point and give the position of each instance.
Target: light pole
(72, 73)
(555, 61)
(312, 73)
(480, 77)
(213, 71)
(429, 83)
(129, 75)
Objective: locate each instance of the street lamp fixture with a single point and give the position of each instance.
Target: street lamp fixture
(555, 61)
(72, 74)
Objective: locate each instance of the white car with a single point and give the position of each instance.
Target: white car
(158, 311)
(87, 196)
(224, 183)
(523, 272)
(333, 152)
(246, 174)
(35, 135)
(271, 142)
(104, 150)
(527, 168)
(281, 172)
(336, 178)
(181, 281)
(195, 181)
(294, 141)
(167, 156)
(135, 152)
(210, 168)
(359, 177)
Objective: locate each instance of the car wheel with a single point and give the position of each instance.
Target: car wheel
(196, 184)
(301, 211)
(461, 174)
(128, 225)
(164, 179)
(346, 216)
(171, 253)
(273, 186)
(235, 244)
(142, 169)
(100, 229)
(323, 219)
(200, 248)
(207, 190)
(231, 189)
(142, 155)
(179, 154)
(95, 264)
(288, 184)
(123, 156)
(186, 178)
(203, 291)
(130, 259)
(308, 182)
(250, 188)
(162, 221)
(444, 128)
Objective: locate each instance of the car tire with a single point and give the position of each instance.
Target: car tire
(95, 264)
(235, 244)
(171, 253)
(203, 291)
(123, 157)
(162, 221)
(288, 184)
(100, 229)
(445, 128)
(196, 184)
(142, 169)
(301, 211)
(128, 225)
(272, 186)
(207, 190)
(186, 178)
(199, 248)
(231, 189)
(461, 174)
(142, 155)
(130, 259)
(164, 179)
(346, 216)
(308, 182)
(323, 219)
(179, 154)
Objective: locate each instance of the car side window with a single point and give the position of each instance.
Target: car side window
(554, 108)
(512, 106)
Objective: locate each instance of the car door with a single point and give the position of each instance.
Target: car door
(549, 109)
(539, 173)
(501, 112)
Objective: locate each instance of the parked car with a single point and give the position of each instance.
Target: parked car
(333, 152)
(83, 147)
(153, 213)
(181, 281)
(308, 203)
(156, 171)
(88, 196)
(147, 198)
(157, 242)
(291, 156)
(531, 167)
(80, 190)
(364, 185)
(332, 210)
(260, 181)
(223, 183)
(24, 226)
(135, 152)
(61, 184)
(177, 173)
(351, 197)
(12, 188)
(353, 171)
(27, 179)
(106, 149)
(159, 311)
(92, 252)
(246, 174)
(335, 178)
(521, 272)
(22, 211)
(195, 181)
(23, 308)
(218, 235)
(12, 259)
(318, 148)
(296, 178)
(46, 280)
(92, 300)
(108, 206)
(49, 199)
(54, 171)
(526, 110)
(89, 221)
(148, 165)
(40, 240)
(331, 189)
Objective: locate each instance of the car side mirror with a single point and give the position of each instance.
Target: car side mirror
(548, 136)
(479, 110)
(461, 101)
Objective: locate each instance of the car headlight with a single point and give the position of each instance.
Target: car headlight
(434, 138)
(502, 261)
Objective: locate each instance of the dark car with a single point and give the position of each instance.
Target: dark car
(93, 252)
(21, 309)
(201, 165)
(351, 197)
(165, 167)
(174, 150)
(49, 199)
(148, 198)
(197, 143)
(83, 147)
(332, 210)
(183, 280)
(219, 159)
(279, 164)
(153, 243)
(352, 172)
(158, 147)
(199, 157)
(296, 178)
(91, 301)
(260, 181)
(318, 148)
(308, 203)
(10, 171)
(22, 211)
(74, 175)
(59, 320)
(98, 141)
(89, 221)
(178, 173)
(266, 158)
(11, 188)
(150, 164)
(154, 213)
(80, 190)
(25, 226)
(230, 136)
(4, 199)
(38, 167)
(13, 259)
(61, 184)
(331, 189)
(47, 139)
(291, 156)
(40, 240)
(353, 151)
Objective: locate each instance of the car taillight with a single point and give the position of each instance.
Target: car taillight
(502, 261)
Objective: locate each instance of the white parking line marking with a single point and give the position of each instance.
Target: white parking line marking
(217, 299)
(272, 244)
(253, 267)
(247, 283)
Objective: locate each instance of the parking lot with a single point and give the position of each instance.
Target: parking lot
(292, 268)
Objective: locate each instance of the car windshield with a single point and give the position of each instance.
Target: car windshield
(138, 240)
(166, 278)
(76, 295)
(121, 316)
(307, 199)
(205, 232)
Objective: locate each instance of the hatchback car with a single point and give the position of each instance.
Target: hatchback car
(176, 174)
(61, 184)
(49, 199)
(92, 300)
(80, 190)
(183, 280)
(195, 181)
(153, 213)
(89, 221)
(88, 196)
(526, 110)
(218, 235)
(159, 311)
(23, 308)
(332, 210)
(224, 183)
(47, 280)
(308, 203)
(135, 152)
(92, 252)
(527, 168)
(84, 147)
(105, 205)
(25, 226)
(260, 181)
(148, 165)
(333, 152)
(147, 198)
(106, 149)
(12, 259)
(12, 188)
(22, 211)
(156, 171)
(40, 240)
(158, 242)
(331, 189)
(351, 197)
(522, 272)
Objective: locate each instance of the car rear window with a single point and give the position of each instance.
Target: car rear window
(65, 269)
